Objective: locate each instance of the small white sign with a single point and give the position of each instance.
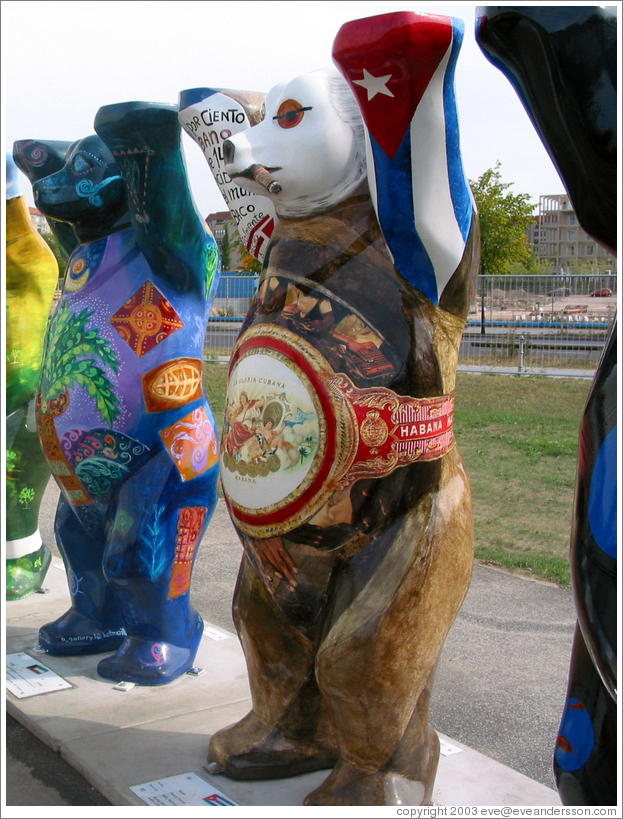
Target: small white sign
(124, 686)
(183, 789)
(214, 634)
(27, 677)
(446, 749)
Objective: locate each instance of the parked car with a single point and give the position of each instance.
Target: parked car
(605, 291)
(560, 291)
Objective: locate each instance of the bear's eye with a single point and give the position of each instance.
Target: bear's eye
(290, 113)
(80, 164)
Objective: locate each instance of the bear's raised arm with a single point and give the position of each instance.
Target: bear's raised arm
(400, 67)
(145, 139)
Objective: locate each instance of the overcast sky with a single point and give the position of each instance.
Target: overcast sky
(63, 60)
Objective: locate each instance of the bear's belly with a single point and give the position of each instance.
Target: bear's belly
(298, 435)
(119, 345)
(122, 378)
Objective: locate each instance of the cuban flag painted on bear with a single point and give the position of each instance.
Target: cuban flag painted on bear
(401, 67)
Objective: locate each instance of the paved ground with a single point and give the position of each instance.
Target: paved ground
(500, 686)
(36, 775)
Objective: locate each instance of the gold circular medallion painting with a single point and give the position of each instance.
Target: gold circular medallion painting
(295, 431)
(278, 443)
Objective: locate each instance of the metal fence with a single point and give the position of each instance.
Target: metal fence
(538, 324)
(526, 324)
(229, 307)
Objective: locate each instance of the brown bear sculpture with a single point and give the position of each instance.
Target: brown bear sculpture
(339, 463)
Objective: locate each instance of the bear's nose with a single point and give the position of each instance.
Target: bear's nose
(229, 149)
(48, 184)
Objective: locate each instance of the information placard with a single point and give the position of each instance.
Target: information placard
(27, 677)
(183, 789)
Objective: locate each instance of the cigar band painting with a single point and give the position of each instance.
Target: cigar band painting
(296, 432)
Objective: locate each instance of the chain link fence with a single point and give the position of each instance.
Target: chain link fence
(538, 324)
(229, 307)
(548, 325)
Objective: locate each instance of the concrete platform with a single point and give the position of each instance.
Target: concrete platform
(118, 739)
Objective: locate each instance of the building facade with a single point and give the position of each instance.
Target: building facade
(38, 220)
(561, 245)
(227, 238)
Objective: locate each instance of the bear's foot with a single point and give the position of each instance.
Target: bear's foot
(148, 662)
(251, 749)
(350, 785)
(73, 634)
(24, 575)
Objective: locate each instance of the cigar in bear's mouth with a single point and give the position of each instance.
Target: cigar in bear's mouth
(265, 178)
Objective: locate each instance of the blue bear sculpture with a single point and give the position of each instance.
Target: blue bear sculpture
(122, 414)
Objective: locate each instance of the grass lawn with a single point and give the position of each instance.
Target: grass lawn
(215, 383)
(519, 439)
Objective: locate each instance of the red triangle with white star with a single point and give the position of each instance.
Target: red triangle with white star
(388, 61)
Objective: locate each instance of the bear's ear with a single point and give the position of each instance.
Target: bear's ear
(112, 195)
(38, 159)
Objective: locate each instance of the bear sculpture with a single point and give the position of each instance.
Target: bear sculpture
(563, 64)
(122, 415)
(32, 276)
(339, 464)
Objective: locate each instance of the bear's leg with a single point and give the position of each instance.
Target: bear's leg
(287, 732)
(376, 664)
(407, 779)
(28, 473)
(585, 759)
(148, 562)
(94, 624)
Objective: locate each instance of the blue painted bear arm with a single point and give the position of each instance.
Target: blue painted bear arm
(145, 139)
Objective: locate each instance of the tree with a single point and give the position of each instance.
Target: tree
(250, 265)
(70, 337)
(531, 266)
(504, 219)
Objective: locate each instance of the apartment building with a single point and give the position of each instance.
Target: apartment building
(560, 243)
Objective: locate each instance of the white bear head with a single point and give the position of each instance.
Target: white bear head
(311, 142)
